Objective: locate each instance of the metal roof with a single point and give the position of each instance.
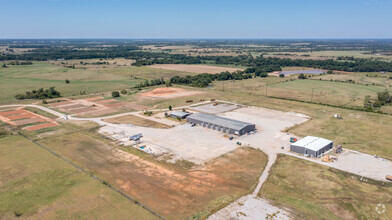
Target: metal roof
(312, 143)
(180, 113)
(221, 121)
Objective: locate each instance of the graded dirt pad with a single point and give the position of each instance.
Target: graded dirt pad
(40, 126)
(105, 101)
(174, 191)
(115, 104)
(138, 121)
(28, 121)
(167, 92)
(97, 113)
(94, 98)
(195, 68)
(83, 110)
(68, 107)
(14, 112)
(57, 104)
(21, 116)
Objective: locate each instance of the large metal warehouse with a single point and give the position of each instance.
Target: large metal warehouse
(220, 123)
(313, 146)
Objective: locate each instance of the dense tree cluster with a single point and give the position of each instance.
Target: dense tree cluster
(153, 82)
(16, 63)
(68, 53)
(204, 79)
(39, 94)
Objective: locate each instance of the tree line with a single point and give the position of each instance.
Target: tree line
(39, 94)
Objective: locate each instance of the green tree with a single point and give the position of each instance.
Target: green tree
(281, 75)
(115, 94)
(170, 107)
(301, 76)
(330, 71)
(124, 91)
(67, 81)
(4, 65)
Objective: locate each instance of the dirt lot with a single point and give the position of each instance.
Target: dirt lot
(169, 92)
(174, 191)
(23, 118)
(94, 107)
(195, 68)
(138, 121)
(215, 109)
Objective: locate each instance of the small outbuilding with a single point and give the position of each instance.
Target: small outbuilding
(179, 114)
(312, 146)
(226, 125)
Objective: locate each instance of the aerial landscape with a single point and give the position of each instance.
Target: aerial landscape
(174, 110)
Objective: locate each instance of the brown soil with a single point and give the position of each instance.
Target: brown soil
(28, 121)
(56, 104)
(22, 117)
(175, 192)
(138, 121)
(40, 126)
(94, 98)
(166, 92)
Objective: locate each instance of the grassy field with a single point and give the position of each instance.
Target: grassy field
(327, 92)
(18, 79)
(138, 121)
(175, 191)
(35, 184)
(324, 193)
(334, 53)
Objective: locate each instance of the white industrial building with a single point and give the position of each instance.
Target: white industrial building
(312, 146)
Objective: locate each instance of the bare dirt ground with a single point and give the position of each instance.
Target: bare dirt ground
(195, 68)
(215, 109)
(94, 107)
(251, 207)
(169, 92)
(21, 117)
(172, 191)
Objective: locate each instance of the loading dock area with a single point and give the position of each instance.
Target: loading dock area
(225, 125)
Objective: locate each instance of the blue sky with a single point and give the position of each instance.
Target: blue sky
(196, 19)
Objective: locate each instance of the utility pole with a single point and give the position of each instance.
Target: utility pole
(311, 98)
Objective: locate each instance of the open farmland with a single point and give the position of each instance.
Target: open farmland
(322, 192)
(19, 79)
(185, 191)
(35, 184)
(334, 93)
(195, 68)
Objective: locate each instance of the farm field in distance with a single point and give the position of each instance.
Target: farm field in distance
(119, 112)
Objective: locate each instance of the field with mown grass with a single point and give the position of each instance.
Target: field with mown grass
(35, 184)
(320, 192)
